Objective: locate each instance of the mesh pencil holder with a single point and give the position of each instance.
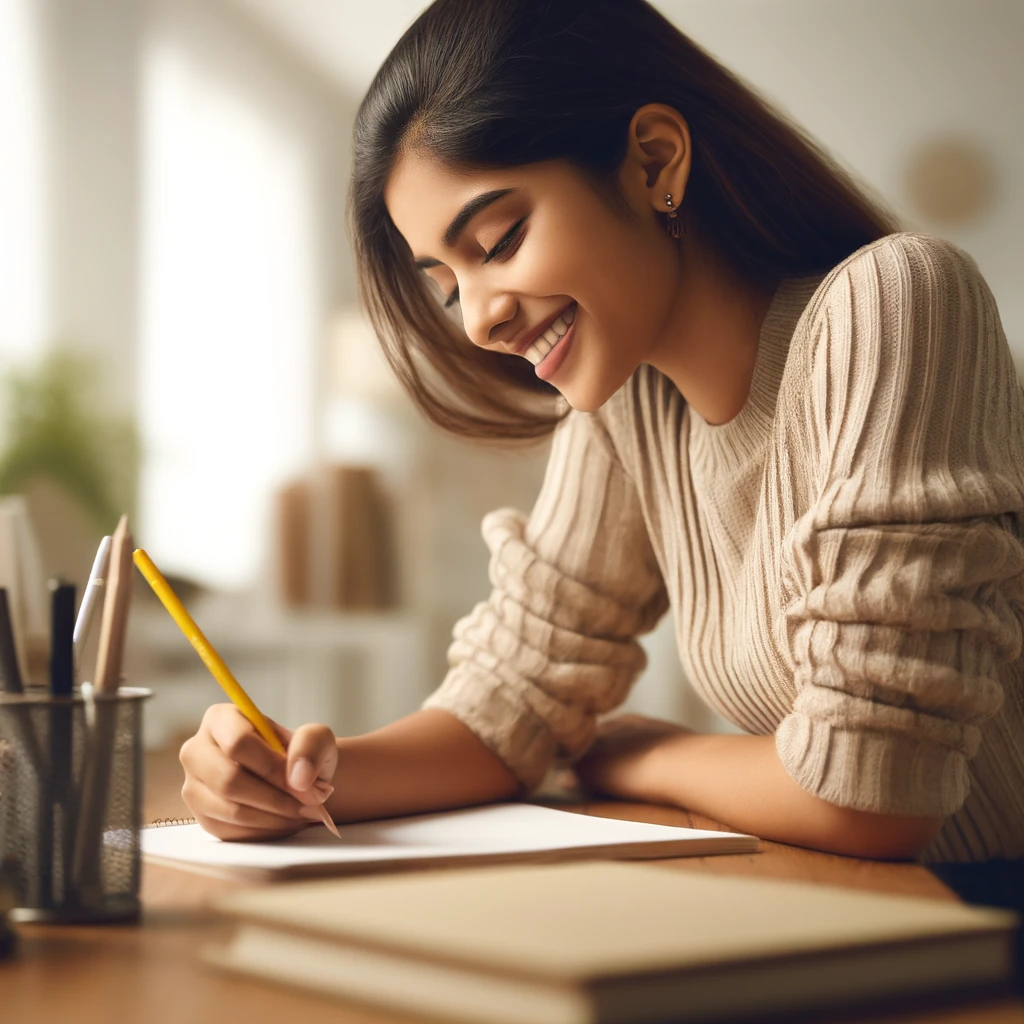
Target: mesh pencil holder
(71, 804)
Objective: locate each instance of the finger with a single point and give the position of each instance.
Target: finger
(312, 812)
(208, 806)
(204, 760)
(235, 736)
(237, 834)
(282, 731)
(312, 757)
(231, 781)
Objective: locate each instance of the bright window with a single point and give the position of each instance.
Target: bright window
(229, 321)
(23, 231)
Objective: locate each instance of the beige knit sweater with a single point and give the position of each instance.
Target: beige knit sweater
(843, 560)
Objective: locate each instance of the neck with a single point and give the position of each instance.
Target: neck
(709, 347)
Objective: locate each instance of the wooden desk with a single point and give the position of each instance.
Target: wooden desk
(152, 972)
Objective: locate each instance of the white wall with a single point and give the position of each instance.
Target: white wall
(873, 79)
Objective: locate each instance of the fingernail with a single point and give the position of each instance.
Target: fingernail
(302, 774)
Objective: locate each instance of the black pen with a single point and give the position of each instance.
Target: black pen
(62, 645)
(62, 682)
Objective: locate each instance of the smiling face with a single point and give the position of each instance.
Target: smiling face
(533, 255)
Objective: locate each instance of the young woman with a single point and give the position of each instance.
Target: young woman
(776, 417)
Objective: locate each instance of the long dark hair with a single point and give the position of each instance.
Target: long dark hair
(504, 83)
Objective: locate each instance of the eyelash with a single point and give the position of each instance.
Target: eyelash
(502, 246)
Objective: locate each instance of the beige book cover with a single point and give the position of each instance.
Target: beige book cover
(595, 942)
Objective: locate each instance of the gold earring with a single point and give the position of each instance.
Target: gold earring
(675, 225)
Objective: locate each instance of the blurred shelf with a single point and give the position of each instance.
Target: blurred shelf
(238, 620)
(354, 671)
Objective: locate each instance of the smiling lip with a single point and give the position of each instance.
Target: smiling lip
(552, 362)
(521, 346)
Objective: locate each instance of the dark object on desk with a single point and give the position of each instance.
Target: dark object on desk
(611, 943)
(7, 872)
(994, 883)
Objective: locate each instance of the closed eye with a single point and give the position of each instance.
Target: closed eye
(511, 236)
(505, 241)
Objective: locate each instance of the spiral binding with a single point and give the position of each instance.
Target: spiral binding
(164, 822)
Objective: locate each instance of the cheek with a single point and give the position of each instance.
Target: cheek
(630, 285)
(619, 274)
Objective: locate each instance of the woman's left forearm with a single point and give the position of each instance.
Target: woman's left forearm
(740, 781)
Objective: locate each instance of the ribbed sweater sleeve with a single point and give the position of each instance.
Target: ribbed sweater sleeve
(573, 586)
(903, 579)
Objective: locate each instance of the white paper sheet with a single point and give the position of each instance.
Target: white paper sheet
(496, 832)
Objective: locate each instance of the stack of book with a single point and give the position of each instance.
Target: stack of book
(610, 943)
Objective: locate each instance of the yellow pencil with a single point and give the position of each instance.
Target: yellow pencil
(213, 661)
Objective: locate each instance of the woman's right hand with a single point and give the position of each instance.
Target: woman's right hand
(239, 788)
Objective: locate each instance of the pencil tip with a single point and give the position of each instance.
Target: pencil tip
(329, 821)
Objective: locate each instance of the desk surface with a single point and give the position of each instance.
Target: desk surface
(152, 972)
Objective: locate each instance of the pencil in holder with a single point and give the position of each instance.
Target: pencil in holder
(71, 804)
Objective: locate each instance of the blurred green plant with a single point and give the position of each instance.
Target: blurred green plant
(53, 429)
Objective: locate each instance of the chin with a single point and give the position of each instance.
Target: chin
(585, 401)
(589, 396)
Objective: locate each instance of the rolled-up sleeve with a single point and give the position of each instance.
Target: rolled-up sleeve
(904, 577)
(573, 586)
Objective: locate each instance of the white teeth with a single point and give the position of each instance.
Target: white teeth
(538, 350)
(547, 341)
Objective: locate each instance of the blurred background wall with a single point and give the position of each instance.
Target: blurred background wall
(173, 256)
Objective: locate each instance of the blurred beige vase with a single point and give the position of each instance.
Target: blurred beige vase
(335, 532)
(334, 540)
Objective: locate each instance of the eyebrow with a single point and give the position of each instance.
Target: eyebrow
(461, 219)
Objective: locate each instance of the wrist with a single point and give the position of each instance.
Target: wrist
(658, 771)
(634, 759)
(337, 801)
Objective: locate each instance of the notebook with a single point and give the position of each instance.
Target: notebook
(608, 943)
(493, 833)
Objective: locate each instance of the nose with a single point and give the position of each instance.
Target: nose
(483, 314)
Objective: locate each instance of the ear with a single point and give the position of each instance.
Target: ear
(657, 160)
